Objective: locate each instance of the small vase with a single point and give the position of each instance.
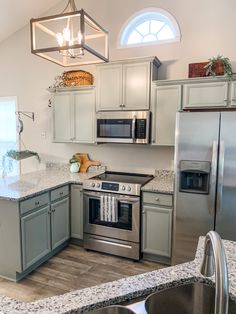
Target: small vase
(74, 167)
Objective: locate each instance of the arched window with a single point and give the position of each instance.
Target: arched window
(150, 27)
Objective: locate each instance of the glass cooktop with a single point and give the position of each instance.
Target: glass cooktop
(124, 177)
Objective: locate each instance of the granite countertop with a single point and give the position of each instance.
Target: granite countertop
(27, 185)
(85, 300)
(162, 183)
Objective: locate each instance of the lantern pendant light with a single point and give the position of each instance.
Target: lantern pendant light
(70, 38)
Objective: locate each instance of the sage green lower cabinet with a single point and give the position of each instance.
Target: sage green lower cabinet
(157, 227)
(60, 222)
(77, 211)
(36, 240)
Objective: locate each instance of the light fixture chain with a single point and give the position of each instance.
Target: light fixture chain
(70, 7)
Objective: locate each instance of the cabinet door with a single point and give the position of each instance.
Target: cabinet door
(60, 222)
(156, 230)
(166, 102)
(77, 211)
(136, 86)
(63, 117)
(109, 92)
(35, 233)
(205, 95)
(233, 94)
(84, 116)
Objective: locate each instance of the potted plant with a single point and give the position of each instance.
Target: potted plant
(219, 65)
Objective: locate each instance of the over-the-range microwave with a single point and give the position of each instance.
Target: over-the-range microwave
(123, 127)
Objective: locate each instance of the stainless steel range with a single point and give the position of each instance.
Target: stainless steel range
(112, 213)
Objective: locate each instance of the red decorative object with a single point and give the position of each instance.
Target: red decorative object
(199, 70)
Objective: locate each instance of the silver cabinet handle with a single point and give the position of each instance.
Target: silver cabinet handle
(213, 177)
(157, 199)
(220, 176)
(133, 128)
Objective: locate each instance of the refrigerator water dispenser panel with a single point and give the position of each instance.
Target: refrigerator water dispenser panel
(194, 176)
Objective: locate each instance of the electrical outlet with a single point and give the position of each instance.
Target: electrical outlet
(43, 134)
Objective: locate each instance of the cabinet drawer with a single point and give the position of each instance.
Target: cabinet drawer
(59, 193)
(34, 202)
(158, 199)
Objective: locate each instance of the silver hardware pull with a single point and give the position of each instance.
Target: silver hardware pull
(233, 100)
(220, 176)
(213, 177)
(157, 199)
(133, 128)
(53, 210)
(36, 203)
(225, 100)
(49, 212)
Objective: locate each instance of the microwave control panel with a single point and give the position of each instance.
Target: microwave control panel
(141, 125)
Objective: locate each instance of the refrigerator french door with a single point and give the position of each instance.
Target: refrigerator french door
(205, 186)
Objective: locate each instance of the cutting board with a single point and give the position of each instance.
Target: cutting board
(85, 161)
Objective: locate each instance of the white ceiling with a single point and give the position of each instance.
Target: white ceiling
(15, 14)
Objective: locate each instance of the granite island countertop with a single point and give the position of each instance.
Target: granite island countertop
(163, 182)
(27, 185)
(85, 300)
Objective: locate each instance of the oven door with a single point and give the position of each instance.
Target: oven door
(127, 226)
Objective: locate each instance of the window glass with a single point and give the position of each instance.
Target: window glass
(150, 27)
(8, 134)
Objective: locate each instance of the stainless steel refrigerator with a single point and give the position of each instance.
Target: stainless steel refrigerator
(205, 186)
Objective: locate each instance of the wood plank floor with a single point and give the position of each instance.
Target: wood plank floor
(72, 269)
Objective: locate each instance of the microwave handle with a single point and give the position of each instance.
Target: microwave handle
(133, 128)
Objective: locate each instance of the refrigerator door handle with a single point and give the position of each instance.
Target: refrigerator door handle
(220, 176)
(213, 177)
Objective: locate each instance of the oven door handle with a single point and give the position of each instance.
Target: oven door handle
(127, 200)
(121, 199)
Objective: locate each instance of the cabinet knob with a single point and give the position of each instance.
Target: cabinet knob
(157, 199)
(61, 193)
(49, 212)
(36, 203)
(53, 210)
(143, 212)
(233, 100)
(225, 100)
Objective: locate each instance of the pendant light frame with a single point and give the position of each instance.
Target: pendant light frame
(83, 20)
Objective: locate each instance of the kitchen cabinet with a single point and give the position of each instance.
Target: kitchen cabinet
(157, 211)
(35, 231)
(126, 85)
(166, 101)
(232, 100)
(44, 224)
(77, 211)
(60, 222)
(205, 95)
(73, 115)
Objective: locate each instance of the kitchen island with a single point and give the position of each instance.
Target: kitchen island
(85, 300)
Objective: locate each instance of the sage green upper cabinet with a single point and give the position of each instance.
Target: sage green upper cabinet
(109, 81)
(126, 85)
(166, 101)
(77, 211)
(63, 116)
(205, 95)
(74, 115)
(84, 101)
(233, 94)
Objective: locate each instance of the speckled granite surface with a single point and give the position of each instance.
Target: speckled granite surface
(85, 300)
(20, 187)
(162, 183)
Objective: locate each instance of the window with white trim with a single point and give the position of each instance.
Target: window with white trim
(150, 27)
(8, 132)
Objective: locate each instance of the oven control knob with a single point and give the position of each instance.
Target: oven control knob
(92, 184)
(98, 185)
(129, 188)
(123, 187)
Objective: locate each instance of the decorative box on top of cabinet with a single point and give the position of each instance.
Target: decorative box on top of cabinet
(73, 114)
(126, 84)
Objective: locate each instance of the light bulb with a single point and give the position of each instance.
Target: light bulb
(60, 39)
(79, 37)
(66, 34)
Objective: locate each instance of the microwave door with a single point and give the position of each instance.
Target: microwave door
(116, 130)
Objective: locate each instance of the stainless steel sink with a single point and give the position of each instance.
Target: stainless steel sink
(114, 309)
(196, 298)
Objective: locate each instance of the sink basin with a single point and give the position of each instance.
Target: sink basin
(114, 309)
(195, 298)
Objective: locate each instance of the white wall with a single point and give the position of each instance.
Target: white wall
(207, 29)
